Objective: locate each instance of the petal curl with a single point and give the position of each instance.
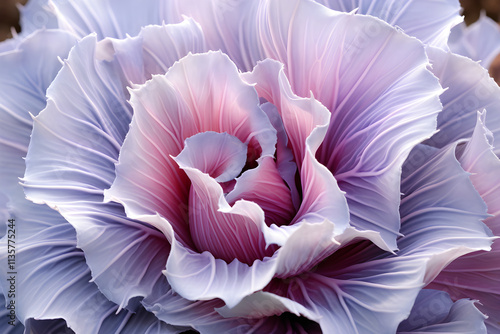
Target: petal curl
(108, 18)
(480, 41)
(441, 212)
(199, 93)
(477, 275)
(430, 21)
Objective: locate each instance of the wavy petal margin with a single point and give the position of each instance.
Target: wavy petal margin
(477, 275)
(469, 89)
(430, 21)
(76, 142)
(435, 312)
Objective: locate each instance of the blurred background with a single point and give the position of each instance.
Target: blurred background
(9, 17)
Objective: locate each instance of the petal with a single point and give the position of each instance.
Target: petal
(441, 212)
(430, 21)
(305, 122)
(107, 18)
(36, 14)
(201, 315)
(219, 155)
(156, 47)
(264, 186)
(25, 74)
(199, 93)
(479, 41)
(479, 159)
(337, 67)
(434, 312)
(224, 231)
(71, 161)
(372, 127)
(228, 25)
(477, 275)
(51, 275)
(9, 325)
(369, 297)
(469, 89)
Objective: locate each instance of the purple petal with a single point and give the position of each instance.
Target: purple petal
(25, 74)
(480, 41)
(369, 297)
(236, 31)
(9, 325)
(72, 158)
(429, 20)
(434, 312)
(107, 18)
(373, 127)
(441, 212)
(157, 48)
(199, 93)
(477, 275)
(224, 231)
(469, 89)
(37, 14)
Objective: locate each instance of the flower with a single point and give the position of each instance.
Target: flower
(240, 169)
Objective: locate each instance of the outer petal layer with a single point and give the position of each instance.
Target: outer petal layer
(477, 275)
(75, 145)
(430, 21)
(435, 312)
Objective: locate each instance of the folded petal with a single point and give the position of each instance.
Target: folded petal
(364, 297)
(372, 127)
(72, 159)
(25, 74)
(441, 212)
(430, 21)
(109, 18)
(9, 325)
(435, 312)
(199, 93)
(51, 276)
(36, 14)
(264, 186)
(477, 275)
(469, 89)
(480, 41)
